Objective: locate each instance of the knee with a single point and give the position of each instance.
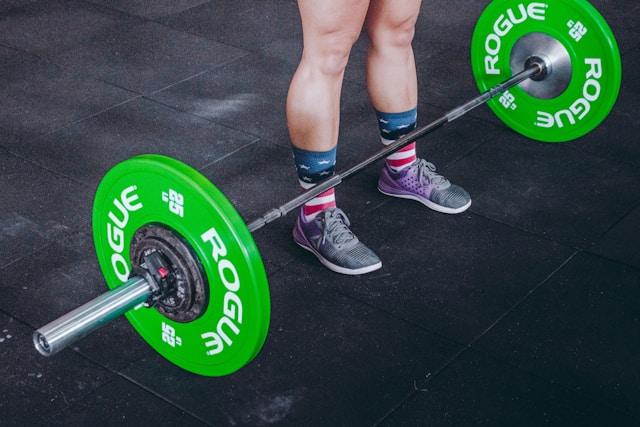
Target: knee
(397, 34)
(330, 57)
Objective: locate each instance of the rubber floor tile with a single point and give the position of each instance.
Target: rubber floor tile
(40, 97)
(327, 360)
(581, 330)
(121, 402)
(479, 390)
(86, 150)
(34, 387)
(147, 57)
(246, 24)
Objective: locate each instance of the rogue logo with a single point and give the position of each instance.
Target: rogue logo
(579, 109)
(118, 219)
(502, 27)
(231, 305)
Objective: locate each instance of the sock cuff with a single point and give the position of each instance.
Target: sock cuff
(409, 116)
(314, 166)
(394, 125)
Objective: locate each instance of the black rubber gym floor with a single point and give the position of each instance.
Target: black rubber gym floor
(524, 310)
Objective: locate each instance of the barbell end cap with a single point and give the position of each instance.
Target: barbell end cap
(544, 67)
(41, 344)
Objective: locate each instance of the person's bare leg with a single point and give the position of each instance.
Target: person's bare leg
(330, 28)
(391, 69)
(392, 83)
(391, 73)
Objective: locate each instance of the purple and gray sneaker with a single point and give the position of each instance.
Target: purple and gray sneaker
(420, 182)
(329, 238)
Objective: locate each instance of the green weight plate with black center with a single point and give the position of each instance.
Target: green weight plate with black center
(153, 190)
(585, 66)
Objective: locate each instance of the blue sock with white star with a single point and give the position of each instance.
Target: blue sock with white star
(314, 167)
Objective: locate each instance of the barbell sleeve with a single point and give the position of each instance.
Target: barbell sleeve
(85, 319)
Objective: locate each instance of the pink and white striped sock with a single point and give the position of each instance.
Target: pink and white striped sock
(314, 206)
(402, 158)
(393, 126)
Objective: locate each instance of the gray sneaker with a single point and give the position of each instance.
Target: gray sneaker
(421, 182)
(328, 237)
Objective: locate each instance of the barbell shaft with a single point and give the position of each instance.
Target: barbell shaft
(69, 328)
(73, 326)
(403, 141)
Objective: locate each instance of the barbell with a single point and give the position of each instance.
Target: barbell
(182, 265)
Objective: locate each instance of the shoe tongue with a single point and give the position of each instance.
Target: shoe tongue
(429, 169)
(336, 214)
(337, 226)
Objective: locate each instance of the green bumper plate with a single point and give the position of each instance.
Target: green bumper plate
(595, 68)
(153, 189)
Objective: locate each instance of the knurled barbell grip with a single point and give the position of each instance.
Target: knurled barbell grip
(298, 201)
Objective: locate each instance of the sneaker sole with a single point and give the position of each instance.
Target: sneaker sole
(428, 203)
(304, 244)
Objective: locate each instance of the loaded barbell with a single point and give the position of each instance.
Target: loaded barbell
(166, 238)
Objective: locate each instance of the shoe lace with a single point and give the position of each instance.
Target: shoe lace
(427, 171)
(336, 228)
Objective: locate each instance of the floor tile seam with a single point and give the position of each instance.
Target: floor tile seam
(561, 385)
(109, 378)
(286, 263)
(237, 151)
(136, 96)
(626, 161)
(419, 388)
(168, 401)
(44, 54)
(160, 20)
(36, 252)
(201, 72)
(223, 124)
(72, 71)
(398, 317)
(14, 48)
(49, 169)
(422, 387)
(623, 216)
(107, 7)
(79, 399)
(241, 53)
(118, 373)
(592, 252)
(461, 347)
(568, 243)
(36, 53)
(590, 248)
(145, 18)
(18, 319)
(524, 298)
(510, 310)
(417, 385)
